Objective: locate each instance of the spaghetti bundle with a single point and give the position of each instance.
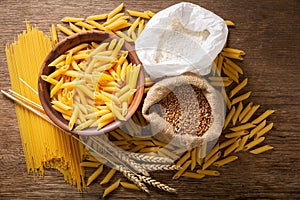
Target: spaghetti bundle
(44, 145)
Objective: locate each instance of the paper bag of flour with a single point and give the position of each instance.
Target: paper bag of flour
(182, 38)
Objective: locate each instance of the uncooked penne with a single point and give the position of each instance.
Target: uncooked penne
(257, 128)
(232, 147)
(225, 161)
(261, 149)
(241, 98)
(211, 160)
(242, 127)
(254, 143)
(95, 174)
(245, 111)
(138, 14)
(237, 113)
(250, 113)
(193, 175)
(111, 188)
(229, 117)
(238, 88)
(115, 11)
(264, 130)
(182, 169)
(263, 116)
(108, 176)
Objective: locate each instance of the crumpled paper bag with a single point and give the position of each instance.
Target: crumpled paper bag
(182, 38)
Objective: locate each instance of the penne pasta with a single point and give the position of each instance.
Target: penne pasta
(241, 98)
(263, 116)
(264, 130)
(253, 143)
(72, 19)
(237, 113)
(210, 161)
(232, 147)
(257, 128)
(245, 111)
(232, 55)
(250, 113)
(115, 11)
(233, 65)
(229, 23)
(261, 149)
(138, 14)
(236, 134)
(111, 188)
(129, 186)
(193, 175)
(97, 17)
(65, 30)
(94, 175)
(238, 88)
(225, 161)
(231, 75)
(242, 127)
(227, 143)
(108, 176)
(208, 172)
(234, 51)
(229, 117)
(182, 169)
(242, 143)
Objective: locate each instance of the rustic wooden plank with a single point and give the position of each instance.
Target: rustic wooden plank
(268, 31)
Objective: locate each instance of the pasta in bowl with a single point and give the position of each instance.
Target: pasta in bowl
(90, 83)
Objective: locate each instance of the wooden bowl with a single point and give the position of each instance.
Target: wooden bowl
(62, 47)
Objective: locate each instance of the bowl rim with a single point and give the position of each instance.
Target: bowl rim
(67, 44)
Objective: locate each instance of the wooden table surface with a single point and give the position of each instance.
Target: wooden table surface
(268, 31)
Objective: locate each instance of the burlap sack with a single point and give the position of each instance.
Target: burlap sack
(164, 131)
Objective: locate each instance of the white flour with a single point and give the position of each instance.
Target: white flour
(178, 44)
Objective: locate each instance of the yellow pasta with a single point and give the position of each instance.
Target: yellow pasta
(242, 143)
(238, 88)
(235, 51)
(225, 161)
(111, 188)
(229, 23)
(211, 160)
(261, 149)
(96, 17)
(214, 150)
(227, 143)
(264, 130)
(108, 176)
(115, 11)
(138, 14)
(237, 113)
(242, 127)
(250, 113)
(257, 128)
(54, 34)
(72, 19)
(129, 186)
(231, 75)
(99, 26)
(194, 159)
(254, 143)
(240, 98)
(94, 175)
(245, 111)
(208, 172)
(236, 134)
(123, 35)
(74, 28)
(65, 30)
(24, 58)
(233, 65)
(193, 175)
(133, 26)
(263, 116)
(182, 169)
(229, 117)
(232, 147)
(232, 55)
